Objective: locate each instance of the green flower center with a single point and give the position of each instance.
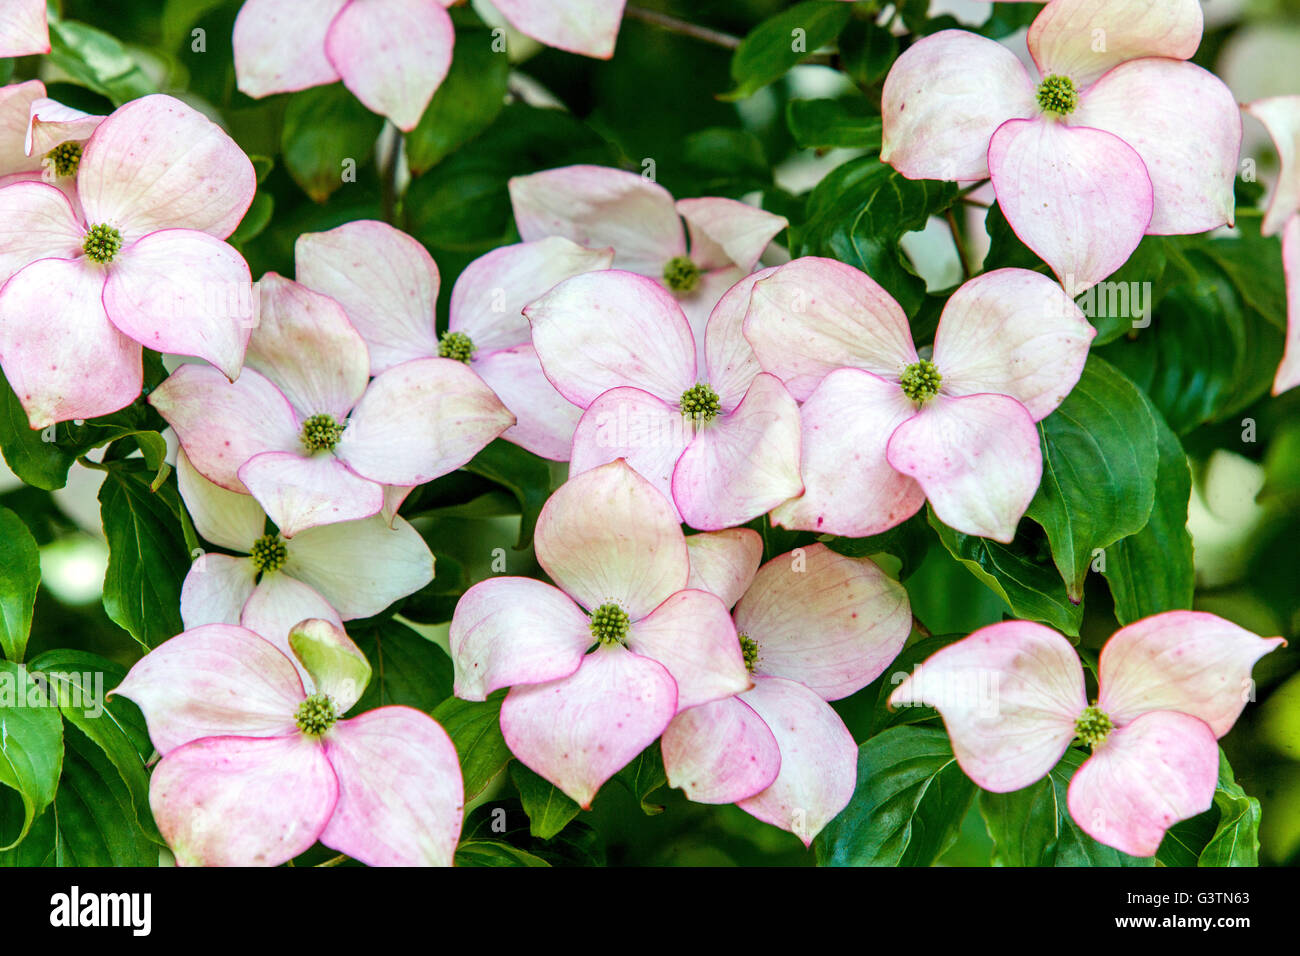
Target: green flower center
(102, 243)
(1093, 726)
(681, 274)
(456, 345)
(269, 553)
(1057, 94)
(700, 403)
(920, 381)
(321, 433)
(66, 157)
(609, 624)
(749, 648)
(316, 715)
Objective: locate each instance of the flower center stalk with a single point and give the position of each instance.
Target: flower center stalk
(65, 157)
(1093, 726)
(269, 553)
(456, 345)
(681, 274)
(610, 624)
(1057, 94)
(316, 715)
(102, 243)
(321, 433)
(700, 403)
(920, 381)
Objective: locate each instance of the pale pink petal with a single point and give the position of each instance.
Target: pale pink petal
(819, 759)
(742, 464)
(724, 562)
(602, 330)
(392, 55)
(185, 293)
(579, 731)
(386, 282)
(1082, 39)
(61, 355)
(254, 417)
(1009, 695)
(729, 360)
(277, 604)
(544, 419)
(281, 791)
(977, 458)
(52, 124)
(36, 222)
(830, 622)
(508, 631)
(849, 486)
(217, 589)
(419, 421)
(225, 518)
(1144, 778)
(1187, 661)
(156, 163)
(394, 495)
(16, 101)
(607, 535)
(487, 302)
(214, 681)
(698, 304)
(1078, 197)
(720, 752)
(1281, 117)
(588, 28)
(309, 350)
(629, 424)
(1288, 372)
(397, 563)
(300, 491)
(1184, 123)
(598, 207)
(942, 101)
(725, 232)
(814, 315)
(338, 668)
(23, 30)
(280, 45)
(400, 790)
(1012, 332)
(691, 634)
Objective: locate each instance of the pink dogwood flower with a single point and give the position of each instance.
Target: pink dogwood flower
(142, 264)
(586, 27)
(1118, 137)
(255, 769)
(596, 206)
(885, 429)
(815, 626)
(1281, 117)
(388, 284)
(392, 55)
(597, 665)
(722, 446)
(335, 572)
(1012, 699)
(308, 433)
(24, 30)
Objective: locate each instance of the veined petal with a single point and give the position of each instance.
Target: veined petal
(977, 458)
(724, 562)
(1078, 197)
(1083, 39)
(23, 29)
(691, 634)
(730, 362)
(698, 304)
(277, 604)
(300, 491)
(16, 101)
(280, 45)
(579, 731)
(544, 419)
(599, 207)
(725, 232)
(720, 752)
(397, 563)
(830, 622)
(156, 163)
(588, 28)
(1187, 661)
(1281, 117)
(608, 535)
(1184, 123)
(635, 426)
(1144, 778)
(942, 101)
(392, 55)
(214, 681)
(1012, 332)
(386, 282)
(849, 486)
(814, 315)
(51, 124)
(337, 667)
(216, 590)
(37, 222)
(1288, 371)
(281, 791)
(1009, 695)
(819, 759)
(225, 518)
(603, 330)
(400, 790)
(508, 631)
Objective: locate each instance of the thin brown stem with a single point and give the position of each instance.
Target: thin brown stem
(956, 241)
(334, 860)
(682, 27)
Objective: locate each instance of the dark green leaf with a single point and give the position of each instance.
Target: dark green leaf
(526, 476)
(327, 135)
(20, 576)
(830, 124)
(643, 776)
(465, 105)
(777, 44)
(97, 61)
(493, 853)
(867, 51)
(549, 809)
(475, 729)
(31, 746)
(31, 453)
(406, 668)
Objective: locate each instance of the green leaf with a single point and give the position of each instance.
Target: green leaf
(777, 44)
(830, 124)
(97, 61)
(867, 51)
(147, 557)
(435, 603)
(549, 809)
(1225, 835)
(324, 129)
(406, 667)
(30, 453)
(31, 746)
(909, 803)
(475, 728)
(525, 475)
(643, 776)
(494, 853)
(504, 821)
(470, 98)
(20, 576)
(1099, 470)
